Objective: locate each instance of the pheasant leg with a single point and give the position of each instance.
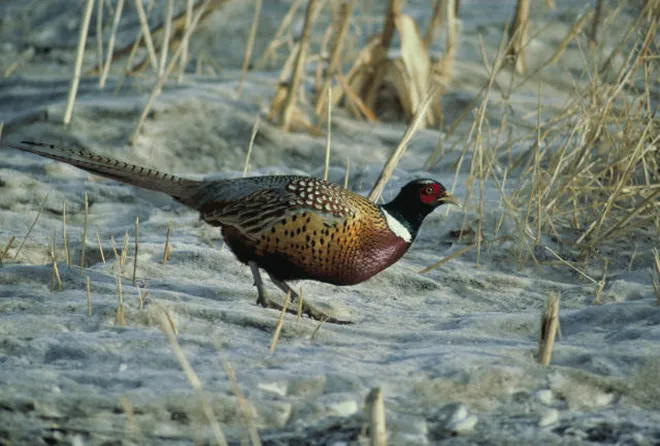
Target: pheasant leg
(261, 291)
(307, 309)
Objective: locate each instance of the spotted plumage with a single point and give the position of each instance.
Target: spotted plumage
(293, 227)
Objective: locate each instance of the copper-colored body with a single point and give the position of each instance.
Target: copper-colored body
(304, 228)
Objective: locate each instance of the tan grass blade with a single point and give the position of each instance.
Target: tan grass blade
(146, 35)
(183, 60)
(4, 252)
(105, 69)
(355, 99)
(160, 314)
(41, 209)
(165, 46)
(326, 164)
(549, 327)
(380, 53)
(248, 48)
(392, 162)
(345, 11)
(167, 252)
(656, 286)
(67, 255)
(448, 258)
(518, 35)
(89, 296)
(280, 322)
(56, 271)
(286, 114)
(98, 239)
(99, 32)
(376, 412)
(601, 284)
(416, 61)
(75, 79)
(137, 247)
(274, 43)
(243, 404)
(444, 67)
(436, 19)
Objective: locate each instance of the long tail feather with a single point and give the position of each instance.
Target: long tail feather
(181, 189)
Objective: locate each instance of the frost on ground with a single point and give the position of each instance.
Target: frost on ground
(453, 349)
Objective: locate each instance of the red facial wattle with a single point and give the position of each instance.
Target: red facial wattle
(430, 193)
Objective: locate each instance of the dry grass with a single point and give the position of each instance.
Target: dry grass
(316, 330)
(137, 247)
(301, 297)
(89, 296)
(105, 69)
(601, 284)
(119, 314)
(280, 322)
(453, 256)
(255, 129)
(203, 10)
(67, 255)
(124, 250)
(286, 112)
(656, 269)
(133, 429)
(99, 31)
(326, 164)
(179, 26)
(183, 60)
(75, 79)
(98, 239)
(375, 409)
(324, 94)
(36, 219)
(248, 49)
(166, 37)
(4, 252)
(56, 272)
(244, 405)
(436, 19)
(164, 321)
(83, 241)
(375, 78)
(392, 162)
(549, 327)
(593, 32)
(443, 68)
(167, 252)
(518, 35)
(23, 58)
(279, 38)
(146, 35)
(589, 178)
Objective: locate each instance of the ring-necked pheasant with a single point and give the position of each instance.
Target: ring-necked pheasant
(293, 227)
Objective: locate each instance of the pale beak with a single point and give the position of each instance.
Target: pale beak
(450, 199)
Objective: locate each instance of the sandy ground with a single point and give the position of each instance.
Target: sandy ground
(453, 350)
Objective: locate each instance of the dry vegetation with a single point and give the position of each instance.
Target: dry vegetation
(589, 180)
(590, 176)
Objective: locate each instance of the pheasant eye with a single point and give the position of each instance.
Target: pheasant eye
(428, 190)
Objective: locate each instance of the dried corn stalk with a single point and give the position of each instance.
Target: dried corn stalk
(378, 79)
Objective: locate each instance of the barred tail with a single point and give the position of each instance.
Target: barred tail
(181, 189)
